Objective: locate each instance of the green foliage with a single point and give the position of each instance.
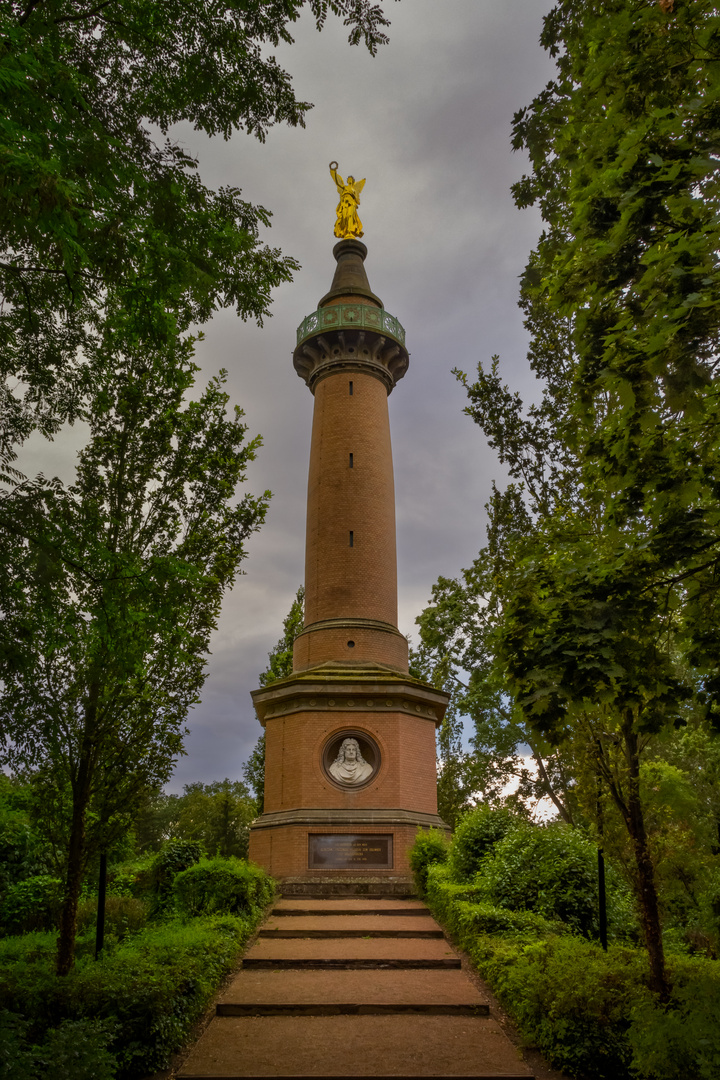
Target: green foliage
(684, 1039)
(152, 988)
(476, 836)
(280, 665)
(95, 207)
(132, 878)
(552, 870)
(76, 1050)
(466, 913)
(31, 904)
(280, 659)
(222, 887)
(457, 635)
(254, 772)
(217, 816)
(430, 847)
(175, 856)
(589, 1012)
(123, 915)
(22, 852)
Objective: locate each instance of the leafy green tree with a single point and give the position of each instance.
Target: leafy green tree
(280, 665)
(254, 773)
(280, 659)
(611, 624)
(217, 815)
(458, 630)
(458, 783)
(607, 594)
(93, 205)
(519, 611)
(113, 589)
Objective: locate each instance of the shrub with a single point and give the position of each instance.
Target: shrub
(132, 878)
(442, 892)
(465, 912)
(430, 848)
(589, 1012)
(153, 987)
(222, 886)
(175, 856)
(683, 1039)
(123, 915)
(483, 918)
(77, 1050)
(32, 904)
(476, 836)
(552, 869)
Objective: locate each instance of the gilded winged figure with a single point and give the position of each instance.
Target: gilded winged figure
(348, 223)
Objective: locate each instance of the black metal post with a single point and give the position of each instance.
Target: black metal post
(100, 925)
(602, 900)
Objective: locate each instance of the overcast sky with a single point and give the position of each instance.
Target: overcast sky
(427, 122)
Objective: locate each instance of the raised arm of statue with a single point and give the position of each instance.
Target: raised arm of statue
(339, 182)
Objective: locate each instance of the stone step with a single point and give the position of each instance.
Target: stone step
(280, 992)
(350, 906)
(378, 1046)
(351, 953)
(318, 888)
(350, 926)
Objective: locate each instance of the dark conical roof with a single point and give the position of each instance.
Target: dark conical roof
(350, 276)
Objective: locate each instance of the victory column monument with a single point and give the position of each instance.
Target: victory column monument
(350, 735)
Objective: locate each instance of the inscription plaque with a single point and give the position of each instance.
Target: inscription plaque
(349, 851)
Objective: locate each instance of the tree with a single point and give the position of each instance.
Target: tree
(216, 815)
(280, 659)
(280, 665)
(113, 589)
(92, 204)
(458, 630)
(609, 624)
(564, 656)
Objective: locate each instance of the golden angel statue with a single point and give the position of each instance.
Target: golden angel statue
(348, 223)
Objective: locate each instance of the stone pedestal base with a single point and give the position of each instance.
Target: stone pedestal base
(319, 824)
(289, 845)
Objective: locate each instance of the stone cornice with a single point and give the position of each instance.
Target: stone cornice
(350, 624)
(347, 688)
(349, 818)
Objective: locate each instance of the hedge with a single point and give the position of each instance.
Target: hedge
(150, 989)
(589, 1012)
(222, 887)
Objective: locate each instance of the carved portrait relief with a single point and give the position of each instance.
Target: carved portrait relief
(351, 759)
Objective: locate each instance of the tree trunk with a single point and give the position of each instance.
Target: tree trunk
(73, 883)
(643, 862)
(76, 846)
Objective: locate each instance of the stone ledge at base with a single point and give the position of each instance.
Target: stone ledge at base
(377, 887)
(347, 818)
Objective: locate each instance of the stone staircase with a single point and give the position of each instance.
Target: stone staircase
(352, 987)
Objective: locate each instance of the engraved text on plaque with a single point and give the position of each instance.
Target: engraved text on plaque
(350, 851)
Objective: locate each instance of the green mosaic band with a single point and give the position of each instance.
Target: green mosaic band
(355, 316)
